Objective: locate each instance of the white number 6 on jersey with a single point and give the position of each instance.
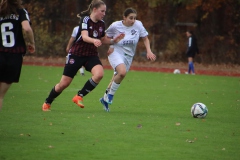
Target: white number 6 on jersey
(6, 33)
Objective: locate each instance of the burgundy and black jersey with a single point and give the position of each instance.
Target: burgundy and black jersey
(12, 40)
(95, 30)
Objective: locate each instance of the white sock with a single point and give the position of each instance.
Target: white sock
(113, 88)
(81, 70)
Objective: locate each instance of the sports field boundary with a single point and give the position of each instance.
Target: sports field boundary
(214, 70)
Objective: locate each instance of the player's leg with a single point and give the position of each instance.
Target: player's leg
(102, 101)
(10, 69)
(121, 73)
(81, 70)
(3, 90)
(191, 65)
(73, 63)
(56, 91)
(95, 66)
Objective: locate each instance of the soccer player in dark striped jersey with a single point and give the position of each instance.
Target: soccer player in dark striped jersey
(14, 22)
(84, 53)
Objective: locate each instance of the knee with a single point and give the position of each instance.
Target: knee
(98, 76)
(122, 74)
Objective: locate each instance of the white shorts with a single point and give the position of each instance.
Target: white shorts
(116, 58)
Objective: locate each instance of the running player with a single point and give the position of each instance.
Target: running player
(121, 54)
(84, 53)
(14, 23)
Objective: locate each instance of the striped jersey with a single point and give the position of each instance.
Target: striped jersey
(132, 34)
(95, 30)
(12, 40)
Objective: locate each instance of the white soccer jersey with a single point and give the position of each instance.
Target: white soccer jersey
(132, 34)
(75, 31)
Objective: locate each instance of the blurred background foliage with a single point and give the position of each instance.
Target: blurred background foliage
(216, 24)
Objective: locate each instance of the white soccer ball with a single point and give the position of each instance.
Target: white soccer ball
(176, 71)
(199, 110)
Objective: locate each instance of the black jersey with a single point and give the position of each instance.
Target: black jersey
(11, 36)
(192, 46)
(95, 30)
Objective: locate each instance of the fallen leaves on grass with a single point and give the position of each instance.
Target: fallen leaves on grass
(190, 141)
(50, 146)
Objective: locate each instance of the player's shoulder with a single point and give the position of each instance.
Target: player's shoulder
(117, 23)
(138, 23)
(76, 27)
(22, 11)
(85, 19)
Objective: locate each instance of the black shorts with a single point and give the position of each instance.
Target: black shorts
(192, 55)
(10, 67)
(74, 63)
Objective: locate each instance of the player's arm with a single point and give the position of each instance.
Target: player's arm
(70, 43)
(108, 40)
(150, 55)
(28, 32)
(190, 45)
(88, 39)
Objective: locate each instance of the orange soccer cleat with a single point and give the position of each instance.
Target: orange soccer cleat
(46, 107)
(78, 100)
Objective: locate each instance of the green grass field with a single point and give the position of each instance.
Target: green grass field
(150, 119)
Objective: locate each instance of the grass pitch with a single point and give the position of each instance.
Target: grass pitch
(149, 119)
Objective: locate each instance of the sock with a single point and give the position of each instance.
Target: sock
(189, 67)
(105, 94)
(192, 67)
(88, 87)
(52, 95)
(113, 88)
(81, 70)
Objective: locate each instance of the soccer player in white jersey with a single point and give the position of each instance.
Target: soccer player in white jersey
(70, 43)
(120, 55)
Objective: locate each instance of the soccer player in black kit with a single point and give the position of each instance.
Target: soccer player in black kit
(14, 21)
(84, 53)
(192, 50)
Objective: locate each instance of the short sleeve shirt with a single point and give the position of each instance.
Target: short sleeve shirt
(95, 30)
(11, 36)
(132, 34)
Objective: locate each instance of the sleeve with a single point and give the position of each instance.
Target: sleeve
(23, 15)
(110, 32)
(75, 31)
(84, 23)
(189, 49)
(143, 31)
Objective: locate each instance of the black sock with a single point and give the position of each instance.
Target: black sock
(107, 90)
(52, 95)
(88, 87)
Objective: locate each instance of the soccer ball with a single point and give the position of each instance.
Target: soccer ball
(176, 71)
(199, 110)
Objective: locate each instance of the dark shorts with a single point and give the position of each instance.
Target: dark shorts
(10, 67)
(74, 63)
(192, 55)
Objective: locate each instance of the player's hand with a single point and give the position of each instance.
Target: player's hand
(97, 42)
(119, 37)
(151, 56)
(31, 48)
